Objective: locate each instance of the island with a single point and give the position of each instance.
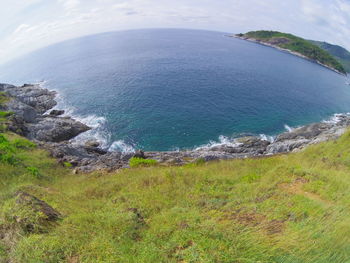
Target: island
(296, 46)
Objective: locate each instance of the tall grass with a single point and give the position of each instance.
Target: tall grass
(288, 208)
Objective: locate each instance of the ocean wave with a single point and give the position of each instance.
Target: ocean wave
(121, 146)
(268, 138)
(223, 140)
(336, 118)
(98, 124)
(288, 128)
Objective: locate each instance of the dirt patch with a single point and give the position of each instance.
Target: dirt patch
(73, 259)
(296, 188)
(251, 219)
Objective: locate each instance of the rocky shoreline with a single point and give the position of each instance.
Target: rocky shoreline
(273, 45)
(34, 117)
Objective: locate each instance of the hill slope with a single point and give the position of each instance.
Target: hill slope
(340, 53)
(295, 44)
(287, 208)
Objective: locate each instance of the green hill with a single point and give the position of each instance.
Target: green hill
(340, 53)
(288, 208)
(296, 44)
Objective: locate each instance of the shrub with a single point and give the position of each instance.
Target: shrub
(8, 158)
(137, 162)
(5, 114)
(33, 171)
(3, 139)
(67, 164)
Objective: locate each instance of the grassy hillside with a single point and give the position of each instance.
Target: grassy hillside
(296, 44)
(340, 53)
(289, 208)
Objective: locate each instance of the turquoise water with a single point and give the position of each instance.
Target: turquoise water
(168, 89)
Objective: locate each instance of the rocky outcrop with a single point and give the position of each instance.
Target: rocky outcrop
(54, 133)
(29, 103)
(56, 112)
(31, 214)
(55, 129)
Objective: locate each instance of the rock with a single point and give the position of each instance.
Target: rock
(53, 129)
(33, 95)
(286, 146)
(92, 143)
(306, 132)
(139, 154)
(38, 214)
(95, 150)
(24, 111)
(56, 112)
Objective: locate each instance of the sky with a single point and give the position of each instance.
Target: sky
(27, 25)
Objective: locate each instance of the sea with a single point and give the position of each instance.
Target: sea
(176, 89)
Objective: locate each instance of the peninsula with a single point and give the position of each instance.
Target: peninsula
(296, 46)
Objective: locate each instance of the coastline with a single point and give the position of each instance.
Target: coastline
(35, 117)
(253, 40)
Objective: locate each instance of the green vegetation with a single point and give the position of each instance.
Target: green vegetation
(287, 208)
(296, 44)
(340, 53)
(3, 98)
(3, 114)
(139, 162)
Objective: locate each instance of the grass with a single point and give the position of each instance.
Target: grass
(140, 162)
(3, 98)
(289, 208)
(299, 45)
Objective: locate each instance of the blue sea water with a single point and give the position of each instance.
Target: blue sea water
(165, 89)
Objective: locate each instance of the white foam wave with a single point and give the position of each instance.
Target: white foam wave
(121, 146)
(336, 118)
(288, 128)
(223, 140)
(98, 124)
(265, 137)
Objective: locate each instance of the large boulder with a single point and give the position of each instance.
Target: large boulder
(32, 214)
(56, 112)
(54, 129)
(24, 111)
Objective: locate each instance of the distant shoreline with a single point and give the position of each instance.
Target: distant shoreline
(285, 50)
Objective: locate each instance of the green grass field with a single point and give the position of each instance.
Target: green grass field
(288, 208)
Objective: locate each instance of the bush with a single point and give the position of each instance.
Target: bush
(137, 162)
(67, 164)
(33, 171)
(8, 158)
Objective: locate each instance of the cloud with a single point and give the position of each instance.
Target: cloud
(21, 28)
(37, 23)
(69, 4)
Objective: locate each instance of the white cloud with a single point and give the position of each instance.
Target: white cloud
(21, 28)
(37, 23)
(69, 4)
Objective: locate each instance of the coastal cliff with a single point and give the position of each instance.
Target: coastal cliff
(296, 46)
